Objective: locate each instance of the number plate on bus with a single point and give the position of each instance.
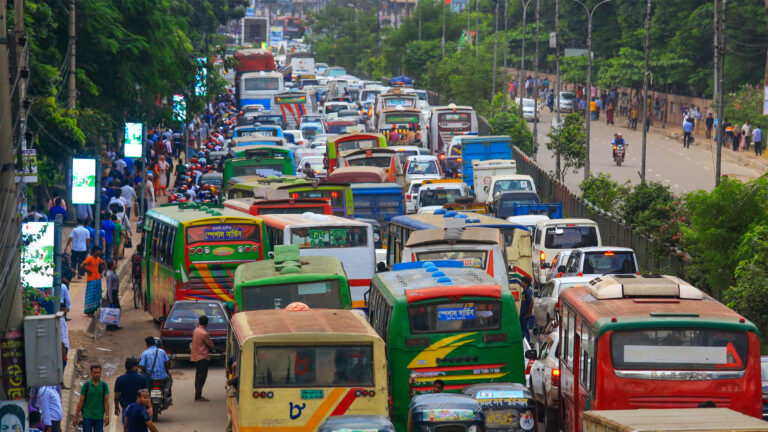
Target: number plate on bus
(156, 394)
(311, 394)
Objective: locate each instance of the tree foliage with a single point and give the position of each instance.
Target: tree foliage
(604, 192)
(509, 123)
(569, 142)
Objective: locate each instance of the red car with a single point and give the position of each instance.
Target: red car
(177, 328)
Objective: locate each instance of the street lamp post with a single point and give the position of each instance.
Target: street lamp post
(590, 13)
(520, 87)
(536, 89)
(645, 87)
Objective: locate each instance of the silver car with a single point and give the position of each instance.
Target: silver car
(545, 379)
(567, 99)
(544, 303)
(558, 264)
(597, 261)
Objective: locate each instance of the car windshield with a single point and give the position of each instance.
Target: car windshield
(609, 262)
(528, 103)
(455, 317)
(371, 161)
(679, 349)
(438, 197)
(570, 237)
(315, 294)
(313, 366)
(511, 185)
(567, 96)
(422, 167)
(187, 314)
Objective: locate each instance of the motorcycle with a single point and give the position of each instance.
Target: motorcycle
(160, 396)
(619, 152)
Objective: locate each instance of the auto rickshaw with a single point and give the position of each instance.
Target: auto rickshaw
(348, 423)
(508, 407)
(445, 411)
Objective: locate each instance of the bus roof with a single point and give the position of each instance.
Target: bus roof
(253, 272)
(188, 212)
(615, 302)
(362, 174)
(259, 180)
(274, 325)
(322, 186)
(454, 236)
(377, 187)
(427, 221)
(256, 138)
(451, 107)
(564, 222)
(357, 137)
(256, 151)
(309, 219)
(417, 283)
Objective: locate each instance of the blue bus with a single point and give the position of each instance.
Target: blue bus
(378, 201)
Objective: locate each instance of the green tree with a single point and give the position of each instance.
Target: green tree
(748, 295)
(510, 123)
(569, 142)
(604, 192)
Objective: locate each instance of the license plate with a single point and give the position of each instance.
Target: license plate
(156, 394)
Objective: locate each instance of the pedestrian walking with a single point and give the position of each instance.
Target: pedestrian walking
(93, 266)
(127, 386)
(129, 195)
(593, 109)
(709, 122)
(51, 411)
(137, 415)
(94, 403)
(113, 290)
(64, 340)
(609, 114)
(687, 130)
(736, 138)
(746, 132)
(200, 354)
(58, 208)
(109, 228)
(526, 307)
(757, 138)
(78, 242)
(394, 137)
(633, 118)
(84, 212)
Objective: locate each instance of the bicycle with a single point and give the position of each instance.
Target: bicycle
(138, 295)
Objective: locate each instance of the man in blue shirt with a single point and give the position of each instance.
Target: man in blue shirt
(757, 139)
(128, 385)
(57, 209)
(526, 307)
(137, 417)
(155, 363)
(687, 131)
(50, 407)
(109, 228)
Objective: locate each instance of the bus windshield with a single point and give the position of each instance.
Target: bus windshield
(256, 84)
(315, 294)
(572, 237)
(438, 197)
(260, 170)
(470, 258)
(679, 349)
(357, 144)
(511, 186)
(455, 317)
(329, 237)
(313, 366)
(222, 232)
(372, 161)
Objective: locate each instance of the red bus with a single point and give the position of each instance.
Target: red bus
(631, 342)
(258, 207)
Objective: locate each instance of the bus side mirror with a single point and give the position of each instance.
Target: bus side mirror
(366, 295)
(530, 354)
(271, 255)
(561, 269)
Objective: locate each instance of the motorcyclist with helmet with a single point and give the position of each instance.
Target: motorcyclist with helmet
(618, 142)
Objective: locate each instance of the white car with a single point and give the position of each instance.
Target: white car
(545, 301)
(412, 196)
(433, 195)
(545, 379)
(315, 162)
(528, 221)
(567, 99)
(598, 261)
(529, 106)
(420, 168)
(558, 264)
(298, 136)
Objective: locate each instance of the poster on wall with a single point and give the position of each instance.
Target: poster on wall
(179, 108)
(13, 416)
(83, 181)
(134, 136)
(37, 254)
(201, 76)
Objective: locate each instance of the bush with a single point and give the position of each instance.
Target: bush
(604, 192)
(510, 123)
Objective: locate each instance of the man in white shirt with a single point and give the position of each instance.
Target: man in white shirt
(79, 240)
(64, 340)
(50, 407)
(128, 193)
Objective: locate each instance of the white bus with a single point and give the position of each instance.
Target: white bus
(260, 87)
(448, 122)
(348, 240)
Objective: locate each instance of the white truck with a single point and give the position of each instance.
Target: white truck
(483, 171)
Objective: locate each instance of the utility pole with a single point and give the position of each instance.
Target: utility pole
(71, 88)
(536, 89)
(505, 86)
(590, 13)
(11, 314)
(716, 70)
(520, 82)
(477, 28)
(557, 78)
(646, 75)
(442, 40)
(495, 54)
(418, 6)
(468, 37)
(720, 44)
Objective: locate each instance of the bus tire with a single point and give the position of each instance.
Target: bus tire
(550, 419)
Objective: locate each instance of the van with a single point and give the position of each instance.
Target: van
(554, 235)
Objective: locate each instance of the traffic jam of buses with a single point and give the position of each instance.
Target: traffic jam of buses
(383, 266)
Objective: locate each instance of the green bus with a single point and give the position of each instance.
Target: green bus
(339, 194)
(443, 321)
(192, 251)
(253, 186)
(262, 160)
(317, 281)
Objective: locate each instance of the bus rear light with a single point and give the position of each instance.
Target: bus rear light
(294, 195)
(240, 249)
(557, 305)
(556, 377)
(263, 395)
(529, 367)
(207, 249)
(372, 393)
(199, 250)
(365, 392)
(408, 197)
(357, 393)
(192, 251)
(580, 274)
(247, 248)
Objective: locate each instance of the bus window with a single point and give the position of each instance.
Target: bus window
(312, 238)
(262, 83)
(470, 258)
(448, 317)
(372, 161)
(275, 236)
(320, 294)
(309, 366)
(572, 237)
(216, 233)
(569, 328)
(679, 349)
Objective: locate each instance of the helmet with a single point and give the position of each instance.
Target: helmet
(193, 160)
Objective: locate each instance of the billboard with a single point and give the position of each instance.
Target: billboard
(37, 254)
(275, 35)
(201, 76)
(179, 108)
(83, 181)
(14, 417)
(134, 137)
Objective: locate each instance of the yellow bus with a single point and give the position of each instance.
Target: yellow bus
(291, 370)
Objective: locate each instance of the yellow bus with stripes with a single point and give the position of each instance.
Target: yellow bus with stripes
(289, 370)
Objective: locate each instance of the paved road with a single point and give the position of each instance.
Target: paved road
(683, 170)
